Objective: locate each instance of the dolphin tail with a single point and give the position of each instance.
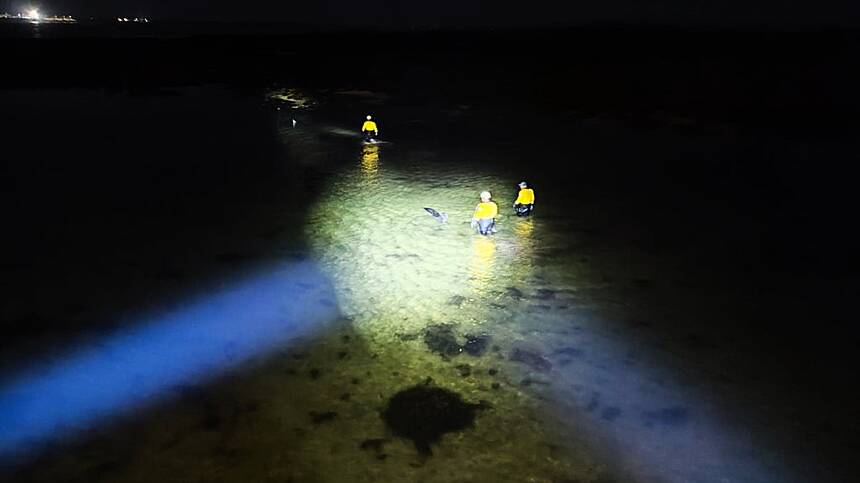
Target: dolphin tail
(442, 217)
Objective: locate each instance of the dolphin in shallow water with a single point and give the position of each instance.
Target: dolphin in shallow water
(441, 217)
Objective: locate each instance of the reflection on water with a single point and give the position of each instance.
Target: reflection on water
(524, 229)
(481, 265)
(370, 161)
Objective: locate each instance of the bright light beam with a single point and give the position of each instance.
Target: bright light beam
(135, 367)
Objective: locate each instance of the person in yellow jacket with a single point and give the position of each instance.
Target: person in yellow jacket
(369, 130)
(525, 201)
(484, 219)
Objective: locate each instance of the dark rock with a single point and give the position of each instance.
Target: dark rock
(456, 300)
(569, 351)
(476, 345)
(441, 340)
(675, 416)
(493, 372)
(544, 294)
(514, 292)
(319, 418)
(465, 370)
(424, 413)
(375, 444)
(531, 358)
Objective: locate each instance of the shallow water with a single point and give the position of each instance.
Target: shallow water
(577, 382)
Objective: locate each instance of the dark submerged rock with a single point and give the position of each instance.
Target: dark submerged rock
(375, 444)
(319, 418)
(456, 300)
(531, 358)
(568, 351)
(476, 345)
(424, 413)
(441, 340)
(464, 369)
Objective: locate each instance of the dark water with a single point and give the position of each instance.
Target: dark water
(677, 310)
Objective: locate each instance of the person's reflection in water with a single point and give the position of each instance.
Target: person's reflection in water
(482, 263)
(525, 247)
(370, 162)
(523, 230)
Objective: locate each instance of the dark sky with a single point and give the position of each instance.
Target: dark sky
(474, 13)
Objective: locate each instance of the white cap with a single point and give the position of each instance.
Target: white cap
(485, 195)
(523, 183)
(368, 117)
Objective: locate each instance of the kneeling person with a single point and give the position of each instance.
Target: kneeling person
(484, 219)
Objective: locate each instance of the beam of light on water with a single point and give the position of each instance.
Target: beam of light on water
(190, 343)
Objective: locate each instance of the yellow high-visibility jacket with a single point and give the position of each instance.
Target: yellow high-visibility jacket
(486, 210)
(525, 197)
(369, 126)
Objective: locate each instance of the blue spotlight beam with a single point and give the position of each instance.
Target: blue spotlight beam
(140, 365)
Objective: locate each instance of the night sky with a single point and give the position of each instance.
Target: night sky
(474, 13)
